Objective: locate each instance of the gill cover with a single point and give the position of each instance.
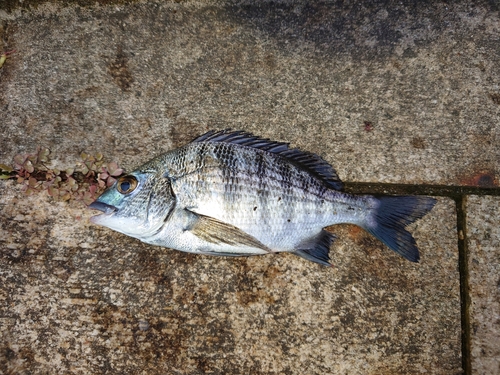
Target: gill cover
(137, 204)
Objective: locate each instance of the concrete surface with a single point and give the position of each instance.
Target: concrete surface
(386, 92)
(484, 243)
(81, 299)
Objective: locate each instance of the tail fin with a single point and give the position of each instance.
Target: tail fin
(390, 218)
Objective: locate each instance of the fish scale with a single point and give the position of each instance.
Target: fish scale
(252, 171)
(233, 193)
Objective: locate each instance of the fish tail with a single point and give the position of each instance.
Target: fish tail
(390, 218)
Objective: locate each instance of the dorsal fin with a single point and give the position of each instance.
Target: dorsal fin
(306, 160)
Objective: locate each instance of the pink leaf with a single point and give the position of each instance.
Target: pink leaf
(110, 181)
(112, 167)
(29, 166)
(66, 197)
(32, 182)
(87, 199)
(84, 170)
(117, 172)
(53, 192)
(19, 159)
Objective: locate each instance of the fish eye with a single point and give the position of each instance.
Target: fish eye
(126, 184)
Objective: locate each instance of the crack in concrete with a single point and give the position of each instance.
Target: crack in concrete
(450, 191)
(465, 299)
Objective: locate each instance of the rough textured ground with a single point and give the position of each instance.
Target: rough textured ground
(384, 91)
(81, 299)
(483, 219)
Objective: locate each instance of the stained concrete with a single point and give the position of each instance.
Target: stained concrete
(384, 91)
(483, 225)
(81, 299)
(135, 80)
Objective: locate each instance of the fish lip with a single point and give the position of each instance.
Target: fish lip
(103, 207)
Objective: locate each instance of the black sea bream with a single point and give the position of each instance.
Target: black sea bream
(232, 193)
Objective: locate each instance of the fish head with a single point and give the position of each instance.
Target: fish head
(137, 204)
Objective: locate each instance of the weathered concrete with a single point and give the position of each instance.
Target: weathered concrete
(385, 92)
(126, 79)
(82, 299)
(483, 226)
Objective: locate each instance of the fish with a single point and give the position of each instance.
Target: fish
(231, 193)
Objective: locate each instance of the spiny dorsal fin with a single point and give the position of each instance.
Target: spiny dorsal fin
(218, 232)
(306, 160)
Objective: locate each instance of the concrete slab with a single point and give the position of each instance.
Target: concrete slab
(81, 299)
(385, 92)
(483, 232)
(389, 92)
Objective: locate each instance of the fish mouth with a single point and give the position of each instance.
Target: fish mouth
(103, 207)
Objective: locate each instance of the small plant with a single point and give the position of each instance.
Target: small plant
(84, 182)
(4, 55)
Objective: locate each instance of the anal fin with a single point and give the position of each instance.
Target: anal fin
(217, 232)
(316, 248)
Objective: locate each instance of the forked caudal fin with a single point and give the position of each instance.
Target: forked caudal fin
(390, 218)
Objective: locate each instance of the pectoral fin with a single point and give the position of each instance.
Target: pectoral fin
(218, 232)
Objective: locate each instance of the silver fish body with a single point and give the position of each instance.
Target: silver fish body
(232, 193)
